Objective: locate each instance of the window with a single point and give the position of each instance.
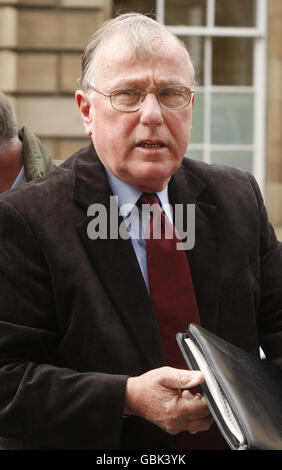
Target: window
(226, 40)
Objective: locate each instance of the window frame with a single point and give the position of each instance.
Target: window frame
(258, 89)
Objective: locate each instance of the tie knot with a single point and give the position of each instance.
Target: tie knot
(148, 198)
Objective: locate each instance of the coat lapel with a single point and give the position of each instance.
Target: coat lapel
(115, 262)
(204, 257)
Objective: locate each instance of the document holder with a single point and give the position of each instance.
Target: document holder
(242, 391)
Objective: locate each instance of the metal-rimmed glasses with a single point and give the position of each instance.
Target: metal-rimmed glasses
(128, 100)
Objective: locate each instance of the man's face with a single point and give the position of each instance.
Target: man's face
(118, 136)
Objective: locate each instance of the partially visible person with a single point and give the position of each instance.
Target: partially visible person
(22, 156)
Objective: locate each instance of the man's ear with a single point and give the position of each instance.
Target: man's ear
(84, 107)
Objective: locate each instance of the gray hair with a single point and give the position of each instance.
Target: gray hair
(8, 122)
(142, 32)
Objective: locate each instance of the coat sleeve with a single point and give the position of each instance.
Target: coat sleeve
(41, 403)
(270, 308)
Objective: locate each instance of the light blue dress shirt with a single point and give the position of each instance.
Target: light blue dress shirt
(20, 179)
(127, 198)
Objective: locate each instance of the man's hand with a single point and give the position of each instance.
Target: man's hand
(162, 396)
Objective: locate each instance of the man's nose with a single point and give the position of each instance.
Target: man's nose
(151, 112)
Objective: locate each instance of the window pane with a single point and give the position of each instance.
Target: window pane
(195, 46)
(232, 118)
(197, 135)
(235, 13)
(195, 154)
(232, 62)
(185, 12)
(147, 7)
(241, 160)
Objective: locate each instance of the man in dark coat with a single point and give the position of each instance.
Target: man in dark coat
(82, 364)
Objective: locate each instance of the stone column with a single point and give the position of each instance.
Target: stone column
(274, 116)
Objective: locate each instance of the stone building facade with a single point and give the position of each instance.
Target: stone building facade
(41, 42)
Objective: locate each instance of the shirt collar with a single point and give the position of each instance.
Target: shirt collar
(128, 196)
(20, 179)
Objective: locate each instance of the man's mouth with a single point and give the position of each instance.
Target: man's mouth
(150, 145)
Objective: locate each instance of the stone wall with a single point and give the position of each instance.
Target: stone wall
(41, 42)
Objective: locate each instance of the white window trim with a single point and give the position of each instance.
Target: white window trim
(258, 32)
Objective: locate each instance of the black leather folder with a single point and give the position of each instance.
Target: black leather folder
(243, 392)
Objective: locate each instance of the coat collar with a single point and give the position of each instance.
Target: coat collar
(91, 183)
(36, 159)
(118, 268)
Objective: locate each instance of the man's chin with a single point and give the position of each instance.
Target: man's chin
(149, 176)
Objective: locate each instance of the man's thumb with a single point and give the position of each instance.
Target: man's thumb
(180, 379)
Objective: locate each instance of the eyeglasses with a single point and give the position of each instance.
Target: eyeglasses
(129, 100)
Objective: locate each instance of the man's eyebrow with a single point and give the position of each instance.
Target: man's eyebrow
(143, 83)
(130, 83)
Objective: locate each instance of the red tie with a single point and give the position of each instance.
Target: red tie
(170, 282)
(174, 303)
